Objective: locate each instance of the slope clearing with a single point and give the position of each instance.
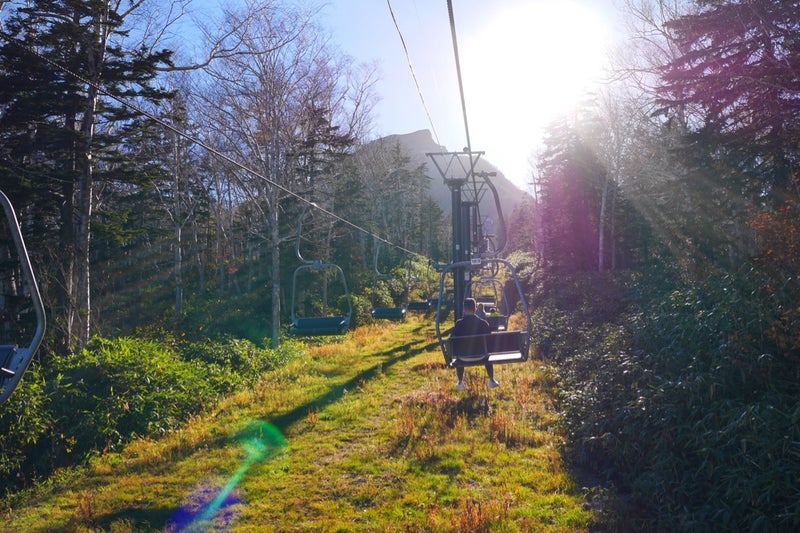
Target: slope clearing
(364, 433)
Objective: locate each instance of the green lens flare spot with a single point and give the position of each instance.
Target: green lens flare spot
(260, 440)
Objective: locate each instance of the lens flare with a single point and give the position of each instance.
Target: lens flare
(259, 441)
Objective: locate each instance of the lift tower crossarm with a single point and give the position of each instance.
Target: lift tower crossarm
(456, 174)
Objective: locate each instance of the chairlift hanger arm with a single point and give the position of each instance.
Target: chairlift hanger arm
(378, 273)
(16, 359)
(300, 234)
(499, 207)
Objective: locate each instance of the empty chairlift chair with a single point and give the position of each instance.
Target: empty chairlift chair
(21, 330)
(336, 323)
(419, 305)
(333, 319)
(389, 313)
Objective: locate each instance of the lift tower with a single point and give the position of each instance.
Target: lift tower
(458, 172)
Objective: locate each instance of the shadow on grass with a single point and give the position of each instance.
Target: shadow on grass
(146, 518)
(182, 518)
(404, 352)
(282, 422)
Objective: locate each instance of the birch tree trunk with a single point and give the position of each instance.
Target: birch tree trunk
(85, 186)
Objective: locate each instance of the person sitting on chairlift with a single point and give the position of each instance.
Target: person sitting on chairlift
(480, 313)
(467, 325)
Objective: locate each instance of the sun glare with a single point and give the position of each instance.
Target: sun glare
(528, 65)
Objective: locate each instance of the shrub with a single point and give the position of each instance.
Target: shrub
(233, 364)
(25, 419)
(692, 405)
(361, 310)
(246, 316)
(114, 389)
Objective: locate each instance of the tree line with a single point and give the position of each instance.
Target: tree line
(147, 177)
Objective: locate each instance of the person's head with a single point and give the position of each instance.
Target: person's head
(469, 306)
(480, 307)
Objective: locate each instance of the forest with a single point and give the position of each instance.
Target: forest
(659, 247)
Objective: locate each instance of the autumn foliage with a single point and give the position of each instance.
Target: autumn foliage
(779, 232)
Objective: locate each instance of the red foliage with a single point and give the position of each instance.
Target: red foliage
(779, 235)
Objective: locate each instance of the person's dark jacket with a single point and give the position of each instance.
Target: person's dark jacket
(470, 325)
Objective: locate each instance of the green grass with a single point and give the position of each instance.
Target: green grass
(361, 434)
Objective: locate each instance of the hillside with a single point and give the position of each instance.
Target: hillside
(365, 433)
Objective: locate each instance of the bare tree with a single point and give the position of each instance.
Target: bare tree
(281, 104)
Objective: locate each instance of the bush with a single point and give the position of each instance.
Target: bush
(692, 404)
(234, 364)
(25, 419)
(247, 317)
(115, 389)
(361, 310)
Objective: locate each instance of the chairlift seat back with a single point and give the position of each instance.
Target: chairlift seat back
(493, 348)
(391, 313)
(419, 306)
(497, 322)
(487, 301)
(320, 325)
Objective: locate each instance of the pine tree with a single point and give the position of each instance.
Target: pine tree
(738, 71)
(570, 174)
(60, 132)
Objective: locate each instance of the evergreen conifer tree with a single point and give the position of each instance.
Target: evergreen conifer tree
(61, 133)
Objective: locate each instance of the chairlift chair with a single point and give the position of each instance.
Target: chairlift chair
(497, 347)
(489, 291)
(419, 305)
(321, 324)
(17, 280)
(308, 326)
(389, 313)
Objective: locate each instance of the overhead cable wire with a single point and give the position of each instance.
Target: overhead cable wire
(472, 162)
(205, 146)
(458, 73)
(413, 74)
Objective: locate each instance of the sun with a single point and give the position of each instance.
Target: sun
(529, 64)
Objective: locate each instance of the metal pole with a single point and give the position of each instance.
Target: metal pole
(458, 248)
